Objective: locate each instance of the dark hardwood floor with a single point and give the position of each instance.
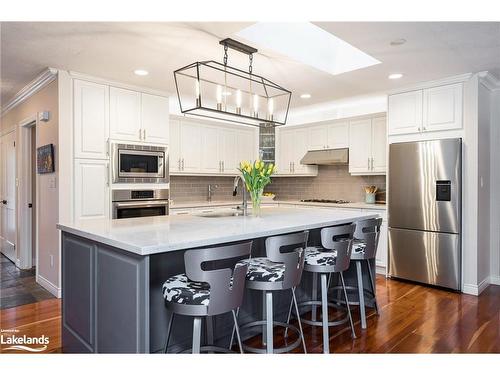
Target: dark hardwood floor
(413, 319)
(19, 287)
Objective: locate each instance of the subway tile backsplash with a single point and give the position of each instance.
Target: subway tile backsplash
(332, 182)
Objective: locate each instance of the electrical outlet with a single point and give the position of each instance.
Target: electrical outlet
(51, 260)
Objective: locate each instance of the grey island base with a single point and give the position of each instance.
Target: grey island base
(113, 270)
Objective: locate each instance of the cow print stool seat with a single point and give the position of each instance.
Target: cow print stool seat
(180, 289)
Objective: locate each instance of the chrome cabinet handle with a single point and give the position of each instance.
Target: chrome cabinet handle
(182, 163)
(290, 167)
(368, 163)
(223, 166)
(107, 174)
(144, 134)
(293, 167)
(179, 164)
(372, 164)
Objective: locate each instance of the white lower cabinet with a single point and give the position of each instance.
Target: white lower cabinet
(382, 250)
(92, 193)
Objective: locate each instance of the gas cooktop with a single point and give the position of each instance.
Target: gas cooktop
(325, 201)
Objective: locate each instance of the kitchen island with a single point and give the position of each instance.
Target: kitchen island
(113, 270)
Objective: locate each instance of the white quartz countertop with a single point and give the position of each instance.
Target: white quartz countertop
(360, 205)
(159, 234)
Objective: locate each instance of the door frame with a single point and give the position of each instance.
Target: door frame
(24, 172)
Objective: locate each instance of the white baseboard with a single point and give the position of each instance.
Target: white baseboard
(495, 280)
(381, 270)
(49, 286)
(476, 290)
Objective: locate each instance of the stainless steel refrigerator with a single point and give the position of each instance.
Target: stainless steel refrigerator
(424, 202)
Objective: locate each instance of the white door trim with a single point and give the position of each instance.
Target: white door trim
(24, 215)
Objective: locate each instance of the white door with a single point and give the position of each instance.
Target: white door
(174, 155)
(443, 108)
(190, 146)
(338, 135)
(227, 150)
(379, 145)
(91, 119)
(405, 113)
(247, 145)
(318, 137)
(211, 161)
(154, 114)
(360, 144)
(8, 196)
(125, 114)
(92, 194)
(285, 151)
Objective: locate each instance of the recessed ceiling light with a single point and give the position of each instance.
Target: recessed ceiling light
(395, 76)
(141, 72)
(398, 42)
(308, 44)
(305, 96)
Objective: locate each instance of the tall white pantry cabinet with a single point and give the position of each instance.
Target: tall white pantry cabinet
(101, 113)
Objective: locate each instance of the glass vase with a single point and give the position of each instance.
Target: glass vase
(256, 196)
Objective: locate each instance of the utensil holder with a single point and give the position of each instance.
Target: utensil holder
(370, 197)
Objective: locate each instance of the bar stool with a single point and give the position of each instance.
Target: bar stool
(281, 269)
(202, 292)
(332, 258)
(365, 245)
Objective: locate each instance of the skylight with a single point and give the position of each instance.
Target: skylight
(308, 44)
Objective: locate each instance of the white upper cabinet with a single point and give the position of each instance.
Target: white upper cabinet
(318, 137)
(360, 147)
(431, 109)
(92, 195)
(227, 150)
(368, 146)
(91, 119)
(138, 116)
(379, 145)
(405, 113)
(125, 114)
(190, 147)
(292, 145)
(329, 136)
(202, 148)
(442, 108)
(154, 118)
(338, 135)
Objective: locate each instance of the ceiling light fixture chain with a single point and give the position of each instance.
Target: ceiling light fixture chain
(225, 54)
(250, 59)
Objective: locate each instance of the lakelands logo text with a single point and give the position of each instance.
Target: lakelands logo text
(21, 342)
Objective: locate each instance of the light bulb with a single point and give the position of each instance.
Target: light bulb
(270, 106)
(256, 103)
(197, 88)
(238, 98)
(219, 94)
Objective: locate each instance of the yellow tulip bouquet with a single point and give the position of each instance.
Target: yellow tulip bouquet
(256, 177)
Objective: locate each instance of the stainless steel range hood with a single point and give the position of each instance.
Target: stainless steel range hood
(326, 157)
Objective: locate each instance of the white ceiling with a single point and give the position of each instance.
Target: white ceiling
(113, 50)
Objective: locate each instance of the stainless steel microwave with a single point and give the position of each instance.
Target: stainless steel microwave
(138, 163)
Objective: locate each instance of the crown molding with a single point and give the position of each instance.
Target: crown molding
(440, 82)
(489, 81)
(46, 77)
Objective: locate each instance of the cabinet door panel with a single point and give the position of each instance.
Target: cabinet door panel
(91, 119)
(360, 143)
(299, 147)
(174, 157)
(210, 150)
(443, 108)
(318, 137)
(247, 145)
(154, 115)
(405, 113)
(227, 150)
(338, 135)
(285, 151)
(379, 145)
(92, 194)
(125, 114)
(190, 146)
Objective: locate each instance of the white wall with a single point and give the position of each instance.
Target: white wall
(495, 182)
(47, 192)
